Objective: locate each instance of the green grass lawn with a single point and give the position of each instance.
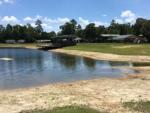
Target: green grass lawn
(68, 109)
(115, 48)
(141, 106)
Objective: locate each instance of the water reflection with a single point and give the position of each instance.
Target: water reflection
(67, 61)
(89, 63)
(118, 64)
(34, 67)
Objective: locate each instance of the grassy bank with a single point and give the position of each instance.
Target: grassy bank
(114, 48)
(141, 106)
(68, 109)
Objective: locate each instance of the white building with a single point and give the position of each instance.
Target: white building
(10, 41)
(21, 41)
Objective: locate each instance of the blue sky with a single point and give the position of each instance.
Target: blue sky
(54, 13)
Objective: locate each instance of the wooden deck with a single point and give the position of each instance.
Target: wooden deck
(47, 46)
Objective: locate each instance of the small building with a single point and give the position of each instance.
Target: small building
(21, 41)
(43, 41)
(136, 39)
(10, 41)
(78, 40)
(130, 39)
(63, 41)
(108, 37)
(121, 38)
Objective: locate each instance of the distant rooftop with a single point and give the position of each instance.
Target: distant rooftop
(66, 36)
(121, 37)
(110, 35)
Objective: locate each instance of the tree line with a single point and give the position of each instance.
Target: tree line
(26, 32)
(91, 32)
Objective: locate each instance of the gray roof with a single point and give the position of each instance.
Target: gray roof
(121, 37)
(110, 35)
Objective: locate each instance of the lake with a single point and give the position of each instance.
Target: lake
(21, 68)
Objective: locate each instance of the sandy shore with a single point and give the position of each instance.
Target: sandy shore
(105, 56)
(102, 94)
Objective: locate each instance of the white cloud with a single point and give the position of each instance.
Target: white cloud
(104, 15)
(48, 24)
(47, 27)
(127, 14)
(98, 23)
(10, 20)
(56, 21)
(126, 17)
(33, 24)
(6, 1)
(120, 21)
(28, 19)
(85, 22)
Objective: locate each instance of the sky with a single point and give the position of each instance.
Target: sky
(54, 13)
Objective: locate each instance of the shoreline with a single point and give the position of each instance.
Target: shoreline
(92, 55)
(102, 94)
(144, 71)
(107, 96)
(105, 56)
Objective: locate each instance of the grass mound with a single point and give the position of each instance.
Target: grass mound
(141, 106)
(67, 109)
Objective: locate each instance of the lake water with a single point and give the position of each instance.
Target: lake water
(21, 68)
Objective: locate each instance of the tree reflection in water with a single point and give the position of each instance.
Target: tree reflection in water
(67, 61)
(89, 63)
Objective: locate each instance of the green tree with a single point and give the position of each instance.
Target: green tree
(74, 22)
(113, 28)
(52, 34)
(69, 28)
(90, 32)
(30, 33)
(125, 29)
(139, 25)
(38, 27)
(8, 32)
(122, 29)
(16, 33)
(100, 30)
(145, 30)
(2, 30)
(79, 31)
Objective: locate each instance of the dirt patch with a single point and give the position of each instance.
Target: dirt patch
(129, 46)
